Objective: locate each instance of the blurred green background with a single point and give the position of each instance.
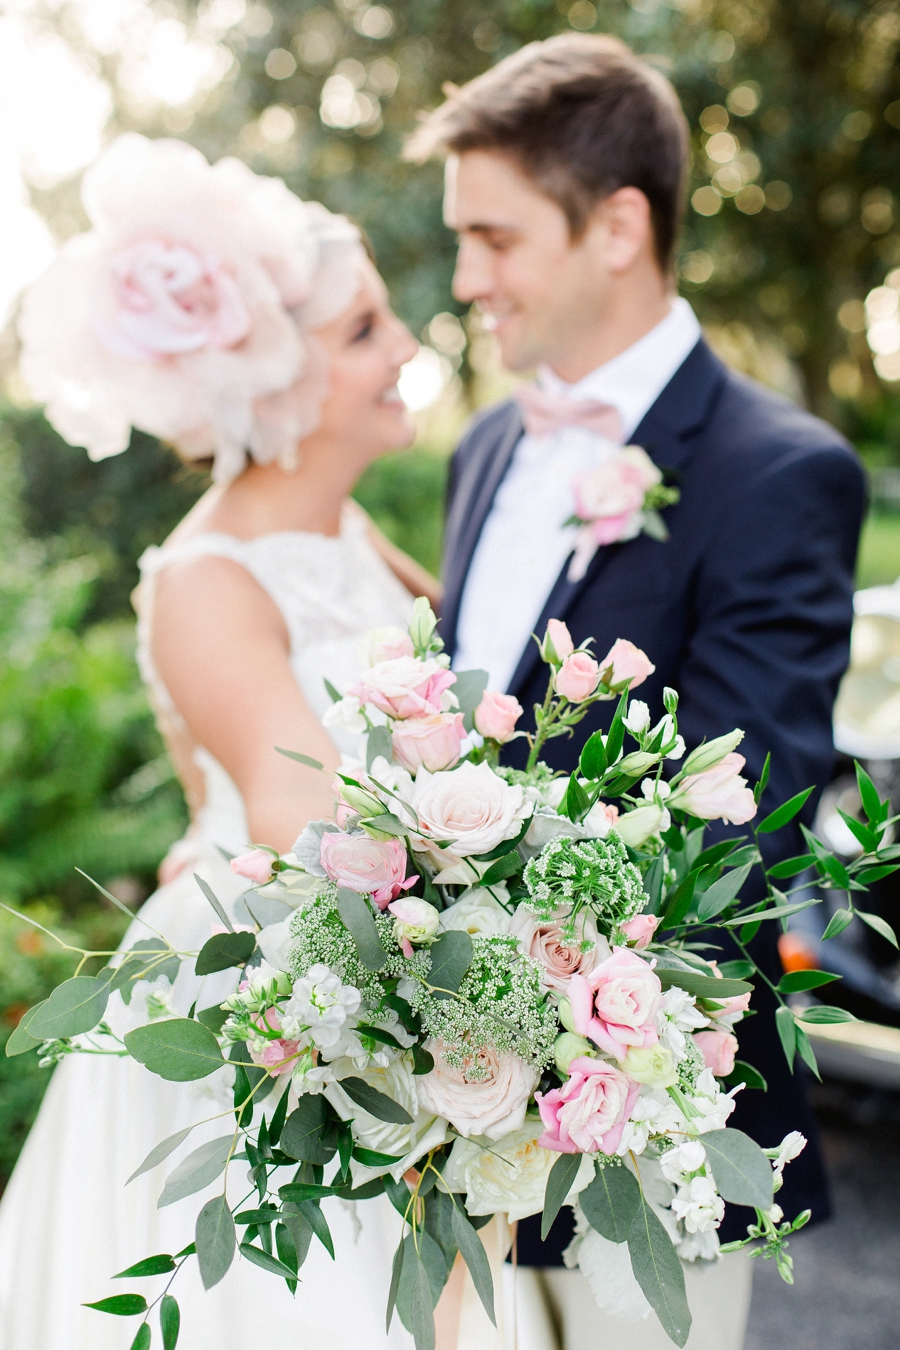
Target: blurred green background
(790, 255)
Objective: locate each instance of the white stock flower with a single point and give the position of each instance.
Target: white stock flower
(698, 1205)
(346, 714)
(697, 1246)
(711, 1105)
(678, 1017)
(791, 1146)
(679, 1162)
(654, 1112)
(509, 1176)
(477, 913)
(321, 1003)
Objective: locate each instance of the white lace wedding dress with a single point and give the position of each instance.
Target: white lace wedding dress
(67, 1221)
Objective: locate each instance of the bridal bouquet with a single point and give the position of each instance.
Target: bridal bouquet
(478, 990)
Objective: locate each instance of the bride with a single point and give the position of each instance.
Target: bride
(214, 309)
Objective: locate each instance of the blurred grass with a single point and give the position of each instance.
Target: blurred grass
(879, 550)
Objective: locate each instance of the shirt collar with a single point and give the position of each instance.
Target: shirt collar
(633, 380)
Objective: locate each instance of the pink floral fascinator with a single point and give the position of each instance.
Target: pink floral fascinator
(188, 309)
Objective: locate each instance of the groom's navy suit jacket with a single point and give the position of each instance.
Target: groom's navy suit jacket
(746, 610)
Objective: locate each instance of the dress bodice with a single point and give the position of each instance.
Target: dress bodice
(329, 590)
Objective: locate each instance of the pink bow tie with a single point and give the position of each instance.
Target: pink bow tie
(545, 413)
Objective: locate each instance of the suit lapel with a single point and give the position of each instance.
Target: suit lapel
(667, 432)
(471, 503)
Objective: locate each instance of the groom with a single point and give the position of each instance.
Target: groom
(566, 166)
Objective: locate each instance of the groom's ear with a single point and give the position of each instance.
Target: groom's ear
(619, 231)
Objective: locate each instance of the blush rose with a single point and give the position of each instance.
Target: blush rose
(255, 866)
(493, 1106)
(718, 1049)
(496, 717)
(577, 677)
(625, 663)
(558, 958)
(616, 1005)
(371, 866)
(405, 687)
(430, 742)
(588, 1113)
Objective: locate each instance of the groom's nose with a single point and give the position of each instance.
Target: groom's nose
(473, 279)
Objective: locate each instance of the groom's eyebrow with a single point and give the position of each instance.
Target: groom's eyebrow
(487, 228)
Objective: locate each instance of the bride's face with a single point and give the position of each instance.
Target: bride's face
(366, 347)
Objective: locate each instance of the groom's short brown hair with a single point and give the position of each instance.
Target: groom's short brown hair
(582, 116)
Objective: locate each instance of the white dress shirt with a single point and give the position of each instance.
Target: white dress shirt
(523, 543)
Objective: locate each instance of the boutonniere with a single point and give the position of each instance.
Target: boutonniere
(618, 500)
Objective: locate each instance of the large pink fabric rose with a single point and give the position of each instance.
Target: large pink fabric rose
(405, 687)
(255, 866)
(493, 1106)
(430, 741)
(616, 1005)
(625, 663)
(588, 1113)
(371, 866)
(496, 716)
(718, 1049)
(719, 793)
(577, 677)
(558, 957)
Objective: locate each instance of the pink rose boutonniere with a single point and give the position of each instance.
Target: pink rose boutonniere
(618, 500)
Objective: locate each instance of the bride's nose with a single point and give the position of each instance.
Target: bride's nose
(405, 345)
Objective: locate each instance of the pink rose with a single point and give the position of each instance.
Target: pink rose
(559, 638)
(494, 1105)
(728, 1007)
(559, 959)
(617, 487)
(170, 299)
(624, 663)
(274, 1054)
(616, 1005)
(255, 865)
(405, 687)
(717, 793)
(496, 716)
(430, 741)
(387, 644)
(577, 677)
(588, 1113)
(371, 866)
(640, 930)
(718, 1049)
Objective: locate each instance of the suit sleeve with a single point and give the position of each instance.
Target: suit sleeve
(774, 602)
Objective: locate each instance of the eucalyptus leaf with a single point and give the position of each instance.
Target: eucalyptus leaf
(197, 1170)
(428, 1258)
(265, 1261)
(742, 1171)
(559, 1183)
(309, 1131)
(300, 759)
(823, 1015)
(379, 745)
(21, 1040)
(396, 1271)
(178, 1049)
(161, 1152)
(702, 986)
(142, 1339)
(169, 1321)
(377, 1103)
(796, 981)
(658, 1271)
(469, 688)
(151, 1265)
(879, 925)
(215, 1240)
(120, 1305)
(451, 957)
(75, 1006)
(787, 1032)
(224, 950)
(208, 892)
(611, 1202)
(357, 917)
(475, 1257)
(318, 1223)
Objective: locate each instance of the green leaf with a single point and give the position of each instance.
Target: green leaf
(806, 1052)
(305, 1190)
(611, 1202)
(559, 1183)
(824, 1014)
(318, 1223)
(576, 802)
(504, 867)
(75, 1006)
(787, 1031)
(654, 878)
(214, 1018)
(386, 823)
(309, 1131)
(120, 1305)
(737, 970)
(797, 980)
(177, 1049)
(256, 1218)
(702, 986)
(868, 875)
(863, 835)
(144, 961)
(475, 1257)
(398, 1193)
(142, 1339)
(287, 1252)
(20, 1041)
(301, 759)
(722, 892)
(746, 1074)
(658, 1271)
(680, 901)
(421, 1304)
(592, 763)
(370, 1158)
(868, 795)
(378, 1034)
(151, 1265)
(265, 1261)
(741, 1169)
(357, 917)
(616, 737)
(378, 1104)
(215, 1240)
(224, 950)
(469, 687)
(791, 867)
(451, 957)
(208, 892)
(379, 745)
(197, 1171)
(716, 853)
(763, 782)
(840, 919)
(758, 916)
(786, 812)
(169, 1321)
(162, 1151)
(396, 1272)
(423, 1060)
(879, 926)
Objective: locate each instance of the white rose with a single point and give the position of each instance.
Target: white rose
(406, 1142)
(509, 1176)
(494, 1106)
(469, 805)
(477, 913)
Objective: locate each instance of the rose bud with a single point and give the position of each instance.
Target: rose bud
(255, 866)
(557, 643)
(625, 663)
(496, 717)
(577, 677)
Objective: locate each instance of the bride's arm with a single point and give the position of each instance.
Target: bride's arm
(221, 648)
(416, 579)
